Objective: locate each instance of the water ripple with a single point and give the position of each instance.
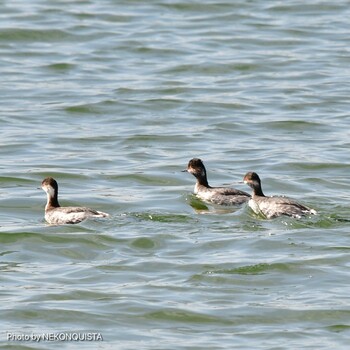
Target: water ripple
(113, 99)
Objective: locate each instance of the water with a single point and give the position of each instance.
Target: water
(112, 98)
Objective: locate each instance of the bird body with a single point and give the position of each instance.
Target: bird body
(57, 215)
(216, 195)
(271, 207)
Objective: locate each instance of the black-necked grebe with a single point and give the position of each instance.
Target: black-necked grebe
(57, 215)
(216, 195)
(272, 207)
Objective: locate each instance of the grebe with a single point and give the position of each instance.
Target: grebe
(272, 207)
(57, 215)
(216, 195)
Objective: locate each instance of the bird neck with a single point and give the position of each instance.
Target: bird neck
(202, 179)
(52, 201)
(257, 190)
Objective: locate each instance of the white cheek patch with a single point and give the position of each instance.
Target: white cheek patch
(49, 190)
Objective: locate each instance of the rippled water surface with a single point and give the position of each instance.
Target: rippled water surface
(112, 98)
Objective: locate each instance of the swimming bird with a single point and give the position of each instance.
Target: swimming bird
(216, 195)
(57, 215)
(272, 207)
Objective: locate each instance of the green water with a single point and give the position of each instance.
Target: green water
(112, 98)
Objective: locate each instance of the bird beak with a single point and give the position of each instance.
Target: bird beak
(184, 171)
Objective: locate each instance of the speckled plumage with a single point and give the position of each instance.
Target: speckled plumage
(272, 207)
(57, 215)
(216, 195)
